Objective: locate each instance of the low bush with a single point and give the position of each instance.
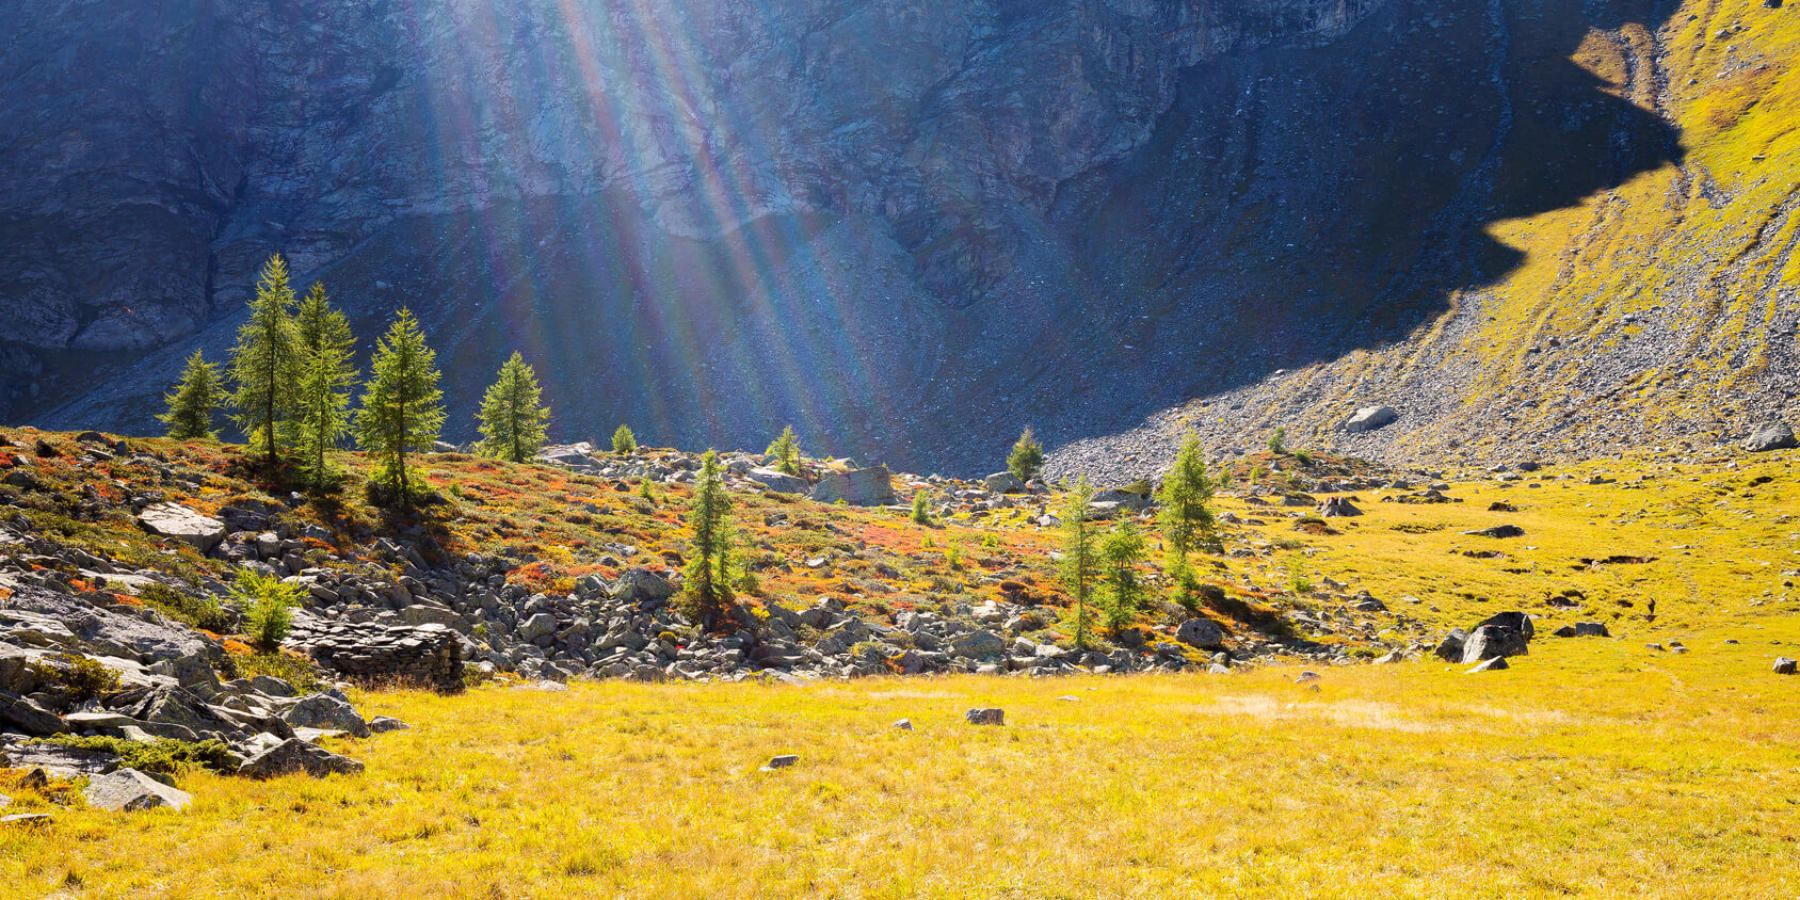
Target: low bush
(201, 612)
(163, 758)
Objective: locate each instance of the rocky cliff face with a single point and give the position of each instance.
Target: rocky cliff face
(709, 218)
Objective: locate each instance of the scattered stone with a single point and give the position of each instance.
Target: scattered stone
(5, 801)
(1497, 531)
(1392, 657)
(385, 724)
(293, 756)
(1337, 507)
(1492, 664)
(1450, 649)
(129, 790)
(545, 686)
(986, 716)
(1785, 666)
(778, 481)
(780, 762)
(1069, 698)
(904, 725)
(26, 819)
(641, 586)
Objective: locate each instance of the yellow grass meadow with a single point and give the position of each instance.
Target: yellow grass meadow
(1592, 768)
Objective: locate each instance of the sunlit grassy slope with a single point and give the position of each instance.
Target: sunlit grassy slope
(1592, 768)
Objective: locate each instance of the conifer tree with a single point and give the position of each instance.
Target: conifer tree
(1079, 563)
(1186, 492)
(322, 416)
(265, 364)
(708, 581)
(512, 422)
(786, 450)
(1120, 552)
(624, 441)
(1027, 456)
(921, 508)
(402, 405)
(191, 404)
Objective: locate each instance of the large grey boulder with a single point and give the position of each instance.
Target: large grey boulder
(858, 487)
(985, 716)
(1003, 483)
(1201, 632)
(58, 761)
(1489, 641)
(129, 790)
(1337, 507)
(327, 712)
(778, 481)
(177, 522)
(1583, 629)
(640, 585)
(1370, 418)
(297, 756)
(981, 644)
(538, 626)
(174, 706)
(22, 714)
(1450, 649)
(1771, 436)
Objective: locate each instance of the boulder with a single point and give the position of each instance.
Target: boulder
(1450, 649)
(1003, 483)
(175, 706)
(1583, 629)
(778, 481)
(858, 487)
(177, 522)
(1498, 531)
(1771, 436)
(1513, 619)
(1336, 507)
(539, 626)
(294, 756)
(1201, 632)
(1489, 641)
(60, 761)
(1370, 418)
(328, 712)
(385, 724)
(130, 790)
(780, 762)
(1785, 666)
(1491, 664)
(982, 644)
(985, 716)
(23, 714)
(640, 585)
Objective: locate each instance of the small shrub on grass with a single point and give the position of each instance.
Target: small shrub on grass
(921, 511)
(270, 603)
(199, 611)
(163, 758)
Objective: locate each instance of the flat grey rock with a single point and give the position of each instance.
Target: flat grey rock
(129, 790)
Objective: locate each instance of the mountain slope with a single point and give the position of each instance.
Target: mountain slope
(910, 230)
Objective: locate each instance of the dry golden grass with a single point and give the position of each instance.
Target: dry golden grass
(1595, 768)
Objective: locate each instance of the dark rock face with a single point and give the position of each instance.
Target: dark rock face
(891, 209)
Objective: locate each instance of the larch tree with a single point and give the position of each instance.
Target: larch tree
(1027, 456)
(191, 404)
(514, 423)
(402, 405)
(624, 441)
(708, 581)
(265, 365)
(1080, 563)
(1120, 552)
(786, 450)
(322, 415)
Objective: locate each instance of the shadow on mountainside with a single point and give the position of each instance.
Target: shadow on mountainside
(1294, 204)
